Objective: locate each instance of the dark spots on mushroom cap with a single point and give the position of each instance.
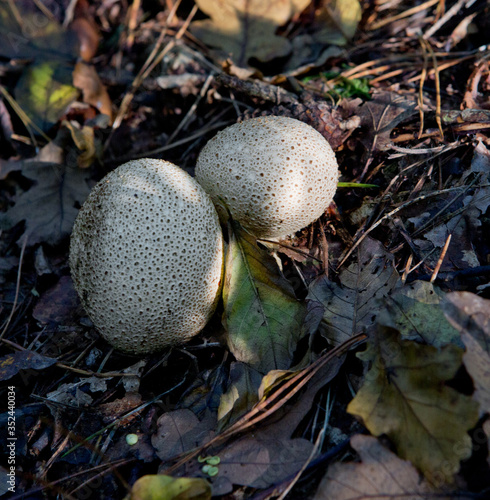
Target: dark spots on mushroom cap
(272, 155)
(127, 278)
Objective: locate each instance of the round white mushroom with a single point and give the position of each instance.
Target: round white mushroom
(274, 174)
(146, 256)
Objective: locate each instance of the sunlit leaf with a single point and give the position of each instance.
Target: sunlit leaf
(405, 397)
(340, 18)
(44, 92)
(246, 29)
(240, 395)
(160, 487)
(262, 316)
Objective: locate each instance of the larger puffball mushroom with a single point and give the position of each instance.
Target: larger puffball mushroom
(274, 174)
(146, 256)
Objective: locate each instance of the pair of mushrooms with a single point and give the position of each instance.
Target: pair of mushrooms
(146, 252)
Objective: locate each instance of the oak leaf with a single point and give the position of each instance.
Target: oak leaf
(351, 306)
(380, 474)
(405, 397)
(470, 314)
(246, 28)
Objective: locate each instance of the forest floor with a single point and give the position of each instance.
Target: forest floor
(379, 386)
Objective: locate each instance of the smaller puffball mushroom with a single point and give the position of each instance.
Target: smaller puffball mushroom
(146, 256)
(274, 174)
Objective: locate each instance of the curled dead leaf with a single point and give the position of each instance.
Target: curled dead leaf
(94, 92)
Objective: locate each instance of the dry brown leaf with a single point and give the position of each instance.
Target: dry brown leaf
(352, 306)
(94, 92)
(88, 37)
(58, 304)
(381, 115)
(470, 314)
(246, 29)
(179, 431)
(379, 475)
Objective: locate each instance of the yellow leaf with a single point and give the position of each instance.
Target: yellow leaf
(340, 18)
(44, 92)
(160, 487)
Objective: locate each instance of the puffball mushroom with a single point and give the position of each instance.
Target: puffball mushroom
(274, 174)
(146, 256)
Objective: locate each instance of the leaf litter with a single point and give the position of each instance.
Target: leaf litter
(271, 393)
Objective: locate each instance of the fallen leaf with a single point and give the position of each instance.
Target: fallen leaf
(415, 312)
(381, 115)
(7, 264)
(58, 304)
(405, 397)
(246, 29)
(94, 92)
(470, 314)
(50, 206)
(11, 364)
(161, 487)
(70, 395)
(340, 19)
(179, 431)
(262, 316)
(43, 41)
(379, 475)
(259, 461)
(269, 454)
(115, 410)
(44, 92)
(352, 306)
(88, 37)
(465, 226)
(89, 148)
(240, 395)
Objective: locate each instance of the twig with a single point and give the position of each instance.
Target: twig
(390, 214)
(183, 123)
(153, 59)
(267, 406)
(314, 452)
(423, 76)
(79, 371)
(438, 88)
(441, 258)
(450, 13)
(478, 271)
(17, 288)
(176, 144)
(402, 15)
